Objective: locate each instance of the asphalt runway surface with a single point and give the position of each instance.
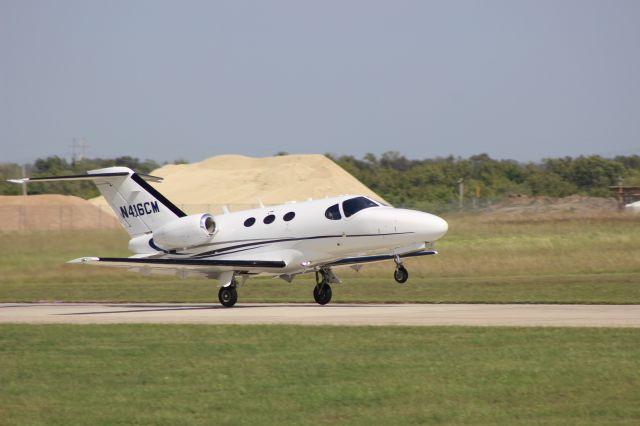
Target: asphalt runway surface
(333, 314)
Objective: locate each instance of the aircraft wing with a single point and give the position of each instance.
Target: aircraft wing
(358, 260)
(184, 267)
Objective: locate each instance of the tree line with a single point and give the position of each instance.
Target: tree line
(430, 184)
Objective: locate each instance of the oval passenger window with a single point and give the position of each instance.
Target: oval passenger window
(333, 212)
(289, 216)
(249, 222)
(269, 219)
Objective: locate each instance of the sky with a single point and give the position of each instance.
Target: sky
(168, 80)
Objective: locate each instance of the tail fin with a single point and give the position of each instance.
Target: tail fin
(139, 207)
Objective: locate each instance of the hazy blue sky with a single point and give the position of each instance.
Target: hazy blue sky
(191, 79)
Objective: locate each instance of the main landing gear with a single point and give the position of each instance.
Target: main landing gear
(228, 295)
(401, 275)
(322, 291)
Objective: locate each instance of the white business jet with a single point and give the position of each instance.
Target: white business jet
(282, 241)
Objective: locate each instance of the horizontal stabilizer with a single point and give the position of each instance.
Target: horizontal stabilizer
(86, 176)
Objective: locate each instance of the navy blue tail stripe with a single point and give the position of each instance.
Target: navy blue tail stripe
(158, 196)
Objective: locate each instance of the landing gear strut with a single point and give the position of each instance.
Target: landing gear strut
(228, 295)
(322, 291)
(401, 275)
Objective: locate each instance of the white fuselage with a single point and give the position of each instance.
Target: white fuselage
(311, 238)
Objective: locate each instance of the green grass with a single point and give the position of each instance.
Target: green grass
(595, 260)
(166, 375)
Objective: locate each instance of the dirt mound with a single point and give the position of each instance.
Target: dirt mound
(51, 212)
(239, 182)
(542, 208)
(542, 204)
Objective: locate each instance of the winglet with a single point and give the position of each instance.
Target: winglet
(151, 178)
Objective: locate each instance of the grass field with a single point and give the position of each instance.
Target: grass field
(167, 375)
(595, 260)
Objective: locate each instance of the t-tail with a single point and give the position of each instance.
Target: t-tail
(140, 208)
(154, 223)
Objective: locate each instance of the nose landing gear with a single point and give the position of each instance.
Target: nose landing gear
(401, 275)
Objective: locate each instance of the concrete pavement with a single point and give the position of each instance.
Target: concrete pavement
(333, 314)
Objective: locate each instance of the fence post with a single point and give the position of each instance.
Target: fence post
(461, 193)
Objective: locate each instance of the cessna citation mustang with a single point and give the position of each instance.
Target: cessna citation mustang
(281, 241)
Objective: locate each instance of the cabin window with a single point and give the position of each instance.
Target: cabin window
(333, 212)
(289, 216)
(269, 219)
(354, 205)
(249, 222)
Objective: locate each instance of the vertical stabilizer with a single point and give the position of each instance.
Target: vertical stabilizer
(139, 207)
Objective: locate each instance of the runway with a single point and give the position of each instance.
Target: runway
(335, 314)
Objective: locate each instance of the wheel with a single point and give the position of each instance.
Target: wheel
(322, 293)
(401, 275)
(228, 296)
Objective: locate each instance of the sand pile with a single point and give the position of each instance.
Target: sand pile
(238, 182)
(543, 208)
(51, 212)
(543, 204)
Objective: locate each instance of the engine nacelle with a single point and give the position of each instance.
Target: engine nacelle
(185, 232)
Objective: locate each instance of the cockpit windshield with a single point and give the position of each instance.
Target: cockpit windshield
(354, 205)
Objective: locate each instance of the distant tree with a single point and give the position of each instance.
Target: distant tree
(394, 160)
(592, 173)
(629, 162)
(546, 183)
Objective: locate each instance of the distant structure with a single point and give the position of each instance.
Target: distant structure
(625, 194)
(79, 148)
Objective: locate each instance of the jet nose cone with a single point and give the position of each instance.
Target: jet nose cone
(434, 227)
(440, 227)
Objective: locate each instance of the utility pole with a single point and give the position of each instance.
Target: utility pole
(620, 193)
(79, 148)
(460, 193)
(476, 197)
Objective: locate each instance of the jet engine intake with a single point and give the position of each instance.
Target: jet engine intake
(185, 232)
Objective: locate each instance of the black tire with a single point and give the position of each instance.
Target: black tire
(401, 275)
(322, 294)
(228, 296)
